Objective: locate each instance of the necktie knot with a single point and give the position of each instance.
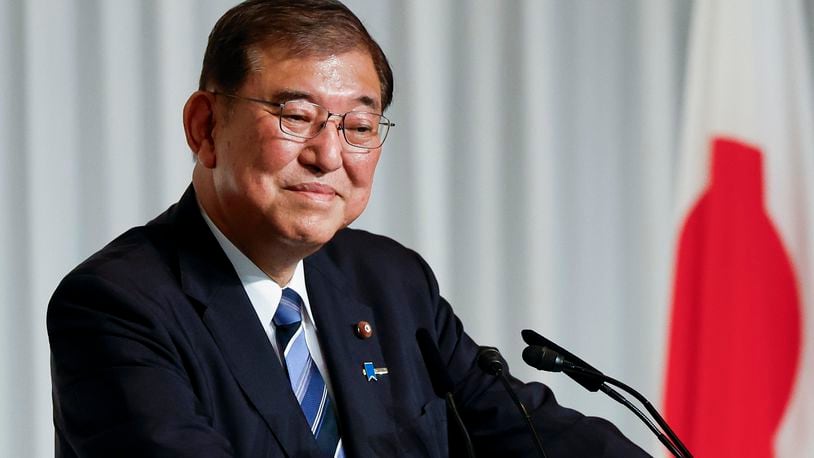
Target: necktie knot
(288, 312)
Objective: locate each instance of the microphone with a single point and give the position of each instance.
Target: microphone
(543, 358)
(441, 382)
(588, 382)
(489, 361)
(547, 359)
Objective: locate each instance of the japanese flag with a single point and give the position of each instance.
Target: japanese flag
(740, 377)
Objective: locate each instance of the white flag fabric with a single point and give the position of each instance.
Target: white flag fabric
(740, 377)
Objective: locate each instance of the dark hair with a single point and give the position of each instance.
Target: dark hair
(301, 27)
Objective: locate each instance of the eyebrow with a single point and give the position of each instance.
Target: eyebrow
(368, 101)
(287, 95)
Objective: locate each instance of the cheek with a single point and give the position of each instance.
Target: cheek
(266, 157)
(261, 147)
(275, 159)
(360, 172)
(273, 152)
(254, 170)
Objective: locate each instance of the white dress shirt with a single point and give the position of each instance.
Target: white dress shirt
(265, 294)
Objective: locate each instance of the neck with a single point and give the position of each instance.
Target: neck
(276, 258)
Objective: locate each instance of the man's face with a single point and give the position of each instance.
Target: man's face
(271, 184)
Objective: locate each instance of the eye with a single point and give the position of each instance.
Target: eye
(296, 117)
(361, 123)
(361, 129)
(299, 113)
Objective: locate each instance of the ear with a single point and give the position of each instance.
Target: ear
(199, 125)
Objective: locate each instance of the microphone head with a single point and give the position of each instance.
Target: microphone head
(590, 383)
(439, 376)
(543, 358)
(489, 360)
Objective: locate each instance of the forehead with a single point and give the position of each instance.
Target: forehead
(340, 77)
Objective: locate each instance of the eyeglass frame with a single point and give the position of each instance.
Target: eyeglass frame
(339, 126)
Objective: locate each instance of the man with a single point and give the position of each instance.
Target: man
(247, 320)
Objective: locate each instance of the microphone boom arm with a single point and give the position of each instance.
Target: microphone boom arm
(593, 380)
(647, 405)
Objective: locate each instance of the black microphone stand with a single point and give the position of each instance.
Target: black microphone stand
(613, 394)
(489, 361)
(647, 405)
(544, 358)
(442, 384)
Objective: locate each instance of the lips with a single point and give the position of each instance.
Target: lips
(317, 191)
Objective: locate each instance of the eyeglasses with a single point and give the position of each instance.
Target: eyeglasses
(303, 119)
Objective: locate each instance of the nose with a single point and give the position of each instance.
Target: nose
(324, 152)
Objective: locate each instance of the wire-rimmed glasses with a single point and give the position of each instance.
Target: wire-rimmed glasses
(303, 119)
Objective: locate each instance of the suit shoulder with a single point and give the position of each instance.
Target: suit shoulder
(361, 247)
(365, 257)
(140, 261)
(135, 254)
(353, 239)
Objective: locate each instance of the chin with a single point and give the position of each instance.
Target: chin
(313, 235)
(308, 229)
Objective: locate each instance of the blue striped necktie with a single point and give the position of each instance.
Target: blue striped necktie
(306, 381)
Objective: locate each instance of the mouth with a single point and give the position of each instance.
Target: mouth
(315, 191)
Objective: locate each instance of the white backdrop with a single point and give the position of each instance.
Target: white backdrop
(532, 165)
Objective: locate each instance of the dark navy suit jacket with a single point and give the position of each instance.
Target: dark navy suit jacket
(157, 351)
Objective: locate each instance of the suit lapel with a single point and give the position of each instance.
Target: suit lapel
(363, 405)
(208, 276)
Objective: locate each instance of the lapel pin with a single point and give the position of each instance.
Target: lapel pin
(364, 330)
(372, 372)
